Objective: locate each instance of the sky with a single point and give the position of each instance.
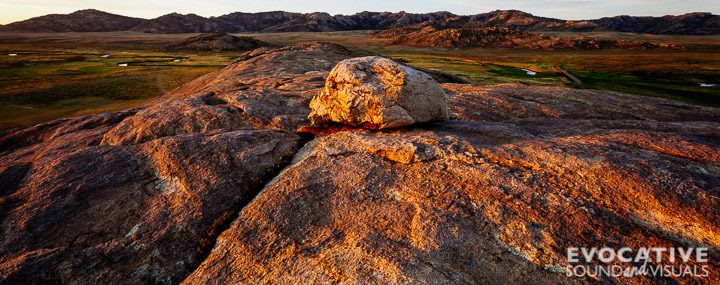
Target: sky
(15, 10)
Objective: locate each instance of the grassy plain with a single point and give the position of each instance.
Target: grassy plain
(65, 75)
(672, 74)
(61, 75)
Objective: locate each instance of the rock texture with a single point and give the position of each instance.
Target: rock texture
(217, 42)
(279, 21)
(140, 196)
(188, 188)
(377, 93)
(492, 198)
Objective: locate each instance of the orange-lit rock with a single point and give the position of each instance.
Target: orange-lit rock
(378, 93)
(495, 196)
(139, 197)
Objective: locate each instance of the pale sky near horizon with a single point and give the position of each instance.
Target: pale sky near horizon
(15, 10)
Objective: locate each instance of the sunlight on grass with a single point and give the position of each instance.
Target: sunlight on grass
(61, 75)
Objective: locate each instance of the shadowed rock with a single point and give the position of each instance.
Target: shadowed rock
(375, 92)
(217, 42)
(435, 35)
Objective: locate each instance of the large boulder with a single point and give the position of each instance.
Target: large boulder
(377, 93)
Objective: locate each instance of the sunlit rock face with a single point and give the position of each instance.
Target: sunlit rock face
(210, 184)
(495, 196)
(138, 196)
(377, 93)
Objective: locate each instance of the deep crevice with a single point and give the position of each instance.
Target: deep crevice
(227, 217)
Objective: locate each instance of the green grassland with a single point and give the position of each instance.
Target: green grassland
(56, 76)
(62, 75)
(672, 74)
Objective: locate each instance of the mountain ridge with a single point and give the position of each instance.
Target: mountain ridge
(87, 20)
(91, 20)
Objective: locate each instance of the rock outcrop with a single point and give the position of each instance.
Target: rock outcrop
(139, 196)
(428, 35)
(189, 188)
(494, 197)
(217, 42)
(377, 93)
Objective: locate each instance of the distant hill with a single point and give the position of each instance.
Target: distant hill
(251, 22)
(688, 24)
(279, 21)
(177, 23)
(81, 21)
(691, 23)
(217, 42)
(491, 37)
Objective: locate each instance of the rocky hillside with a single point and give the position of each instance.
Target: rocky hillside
(217, 42)
(81, 21)
(176, 23)
(687, 24)
(212, 183)
(690, 24)
(278, 21)
(426, 35)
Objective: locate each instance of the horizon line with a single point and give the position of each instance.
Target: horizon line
(355, 13)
